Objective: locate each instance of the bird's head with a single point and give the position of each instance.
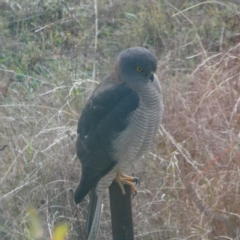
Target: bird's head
(136, 66)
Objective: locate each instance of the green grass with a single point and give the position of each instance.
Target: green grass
(54, 51)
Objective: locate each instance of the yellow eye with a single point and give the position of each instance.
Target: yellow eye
(139, 69)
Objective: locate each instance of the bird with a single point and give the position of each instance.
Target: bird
(117, 127)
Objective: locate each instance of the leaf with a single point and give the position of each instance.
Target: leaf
(36, 230)
(60, 232)
(131, 16)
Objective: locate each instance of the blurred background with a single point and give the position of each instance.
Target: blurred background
(54, 53)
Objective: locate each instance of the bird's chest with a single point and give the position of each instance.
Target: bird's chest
(135, 140)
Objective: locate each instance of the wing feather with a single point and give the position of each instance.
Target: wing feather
(104, 117)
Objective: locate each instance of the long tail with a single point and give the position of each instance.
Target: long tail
(94, 215)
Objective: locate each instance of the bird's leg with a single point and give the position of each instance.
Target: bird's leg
(123, 179)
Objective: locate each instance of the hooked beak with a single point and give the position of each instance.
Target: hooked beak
(151, 76)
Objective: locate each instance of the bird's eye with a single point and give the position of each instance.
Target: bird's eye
(139, 69)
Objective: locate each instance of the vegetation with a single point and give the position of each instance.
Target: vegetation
(53, 53)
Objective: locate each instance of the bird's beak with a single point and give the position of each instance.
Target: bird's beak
(151, 76)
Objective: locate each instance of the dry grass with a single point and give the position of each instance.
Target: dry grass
(189, 181)
(202, 122)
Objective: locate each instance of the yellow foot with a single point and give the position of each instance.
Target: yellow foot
(123, 179)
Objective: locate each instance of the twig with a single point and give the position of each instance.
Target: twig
(95, 40)
(203, 207)
(190, 189)
(213, 162)
(71, 13)
(180, 149)
(3, 147)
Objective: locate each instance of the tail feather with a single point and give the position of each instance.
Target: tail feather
(91, 211)
(94, 215)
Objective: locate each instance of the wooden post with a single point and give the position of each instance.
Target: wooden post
(121, 212)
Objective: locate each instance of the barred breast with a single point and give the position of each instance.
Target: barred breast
(136, 139)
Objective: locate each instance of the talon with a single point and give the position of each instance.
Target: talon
(123, 179)
(134, 195)
(136, 181)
